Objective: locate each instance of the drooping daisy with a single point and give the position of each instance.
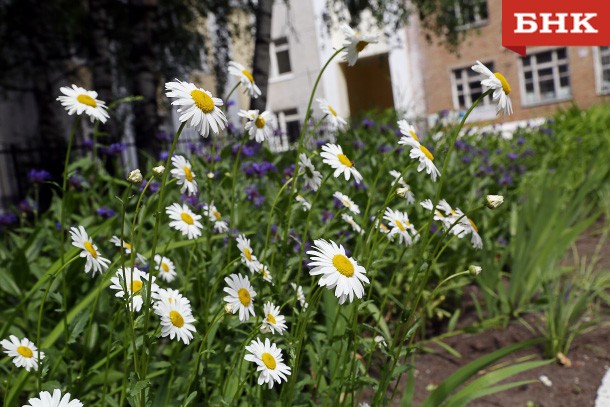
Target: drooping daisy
(184, 220)
(198, 108)
(169, 295)
(470, 227)
(167, 271)
(78, 100)
(95, 261)
(240, 296)
(311, 178)
(176, 319)
(122, 244)
(400, 226)
(259, 126)
(332, 155)
(303, 202)
(497, 82)
(249, 259)
(23, 351)
(335, 120)
(350, 221)
(338, 271)
(407, 129)
(184, 174)
(449, 219)
(421, 153)
(134, 281)
(273, 321)
(404, 190)
(300, 295)
(347, 202)
(354, 43)
(45, 399)
(269, 362)
(264, 270)
(213, 215)
(246, 78)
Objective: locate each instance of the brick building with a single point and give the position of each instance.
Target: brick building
(547, 79)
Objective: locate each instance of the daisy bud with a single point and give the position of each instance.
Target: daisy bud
(158, 171)
(135, 176)
(403, 191)
(229, 309)
(493, 201)
(380, 340)
(210, 175)
(474, 270)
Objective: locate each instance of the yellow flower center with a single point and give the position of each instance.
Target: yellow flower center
(476, 229)
(126, 245)
(248, 254)
(188, 174)
(268, 360)
(412, 133)
(86, 100)
(361, 45)
(503, 81)
(244, 297)
(344, 160)
(259, 122)
(136, 285)
(25, 351)
(203, 101)
(216, 214)
(343, 265)
(383, 227)
(331, 110)
(248, 75)
(426, 152)
(165, 267)
(399, 225)
(176, 319)
(271, 319)
(187, 218)
(90, 249)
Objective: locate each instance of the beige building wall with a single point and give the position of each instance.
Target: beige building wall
(484, 43)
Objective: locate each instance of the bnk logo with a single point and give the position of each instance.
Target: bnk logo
(554, 23)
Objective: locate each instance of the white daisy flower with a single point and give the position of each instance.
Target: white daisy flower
(259, 125)
(272, 320)
(400, 226)
(134, 281)
(332, 155)
(128, 247)
(169, 295)
(303, 202)
(246, 79)
(354, 43)
(240, 296)
(311, 178)
(269, 362)
(23, 351)
(184, 220)
(497, 82)
(264, 270)
(347, 202)
(198, 108)
(338, 271)
(183, 172)
(383, 228)
(45, 399)
(176, 319)
(220, 226)
(408, 129)
(95, 261)
(79, 100)
(167, 271)
(421, 153)
(350, 221)
(300, 295)
(250, 260)
(470, 227)
(335, 120)
(449, 219)
(404, 190)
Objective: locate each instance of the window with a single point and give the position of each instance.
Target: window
(602, 69)
(545, 77)
(290, 125)
(280, 61)
(470, 13)
(467, 87)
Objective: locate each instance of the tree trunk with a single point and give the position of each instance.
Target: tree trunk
(260, 62)
(145, 77)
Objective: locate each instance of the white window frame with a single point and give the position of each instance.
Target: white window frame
(273, 50)
(598, 52)
(479, 21)
(535, 67)
(486, 108)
